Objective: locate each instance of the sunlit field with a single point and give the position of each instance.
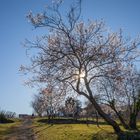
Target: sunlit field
(45, 131)
(62, 131)
(72, 131)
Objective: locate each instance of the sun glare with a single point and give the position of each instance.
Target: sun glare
(82, 74)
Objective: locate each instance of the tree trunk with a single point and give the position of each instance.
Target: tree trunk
(106, 117)
(120, 118)
(132, 121)
(97, 119)
(110, 121)
(49, 118)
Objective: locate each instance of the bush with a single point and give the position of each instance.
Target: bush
(4, 117)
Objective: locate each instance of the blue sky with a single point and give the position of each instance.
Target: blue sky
(14, 29)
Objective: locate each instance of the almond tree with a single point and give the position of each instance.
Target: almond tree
(76, 54)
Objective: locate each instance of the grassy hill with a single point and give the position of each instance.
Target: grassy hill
(75, 131)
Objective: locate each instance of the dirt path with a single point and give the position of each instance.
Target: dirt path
(23, 132)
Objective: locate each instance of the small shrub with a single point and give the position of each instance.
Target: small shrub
(4, 117)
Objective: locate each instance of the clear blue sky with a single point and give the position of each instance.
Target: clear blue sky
(14, 28)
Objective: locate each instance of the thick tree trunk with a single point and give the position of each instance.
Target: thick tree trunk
(110, 121)
(132, 121)
(106, 117)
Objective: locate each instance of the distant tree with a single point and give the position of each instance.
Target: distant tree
(76, 54)
(90, 110)
(62, 111)
(10, 114)
(52, 101)
(78, 109)
(38, 104)
(72, 107)
(5, 116)
(46, 102)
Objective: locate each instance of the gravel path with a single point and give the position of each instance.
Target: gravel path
(23, 132)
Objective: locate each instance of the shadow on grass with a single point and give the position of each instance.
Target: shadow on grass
(6, 121)
(70, 121)
(131, 135)
(104, 135)
(43, 129)
(100, 135)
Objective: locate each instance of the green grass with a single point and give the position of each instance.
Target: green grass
(72, 131)
(6, 128)
(45, 131)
